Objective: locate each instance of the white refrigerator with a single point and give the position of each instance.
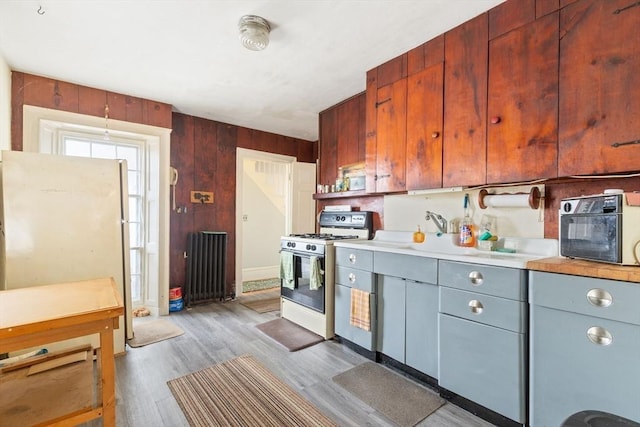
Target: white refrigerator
(65, 219)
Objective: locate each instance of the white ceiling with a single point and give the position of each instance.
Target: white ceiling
(187, 53)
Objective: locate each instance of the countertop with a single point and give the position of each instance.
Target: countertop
(585, 268)
(444, 248)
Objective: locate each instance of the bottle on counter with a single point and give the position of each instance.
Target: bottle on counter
(418, 236)
(467, 239)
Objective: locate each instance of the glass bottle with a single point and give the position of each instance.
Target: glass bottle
(467, 239)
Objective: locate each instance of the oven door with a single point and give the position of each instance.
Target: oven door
(597, 237)
(302, 293)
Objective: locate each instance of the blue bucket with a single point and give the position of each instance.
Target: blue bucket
(176, 305)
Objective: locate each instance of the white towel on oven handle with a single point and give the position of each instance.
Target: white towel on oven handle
(286, 269)
(315, 274)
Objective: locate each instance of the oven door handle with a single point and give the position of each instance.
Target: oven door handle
(301, 254)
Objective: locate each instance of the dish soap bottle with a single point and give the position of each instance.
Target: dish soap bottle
(467, 239)
(418, 236)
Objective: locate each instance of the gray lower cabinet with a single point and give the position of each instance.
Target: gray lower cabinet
(584, 347)
(354, 270)
(421, 329)
(408, 310)
(483, 340)
(391, 316)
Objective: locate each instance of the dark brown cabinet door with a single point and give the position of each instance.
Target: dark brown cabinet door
(391, 130)
(465, 110)
(424, 128)
(351, 144)
(522, 128)
(600, 87)
(327, 147)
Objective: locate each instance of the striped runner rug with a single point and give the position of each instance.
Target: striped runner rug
(242, 392)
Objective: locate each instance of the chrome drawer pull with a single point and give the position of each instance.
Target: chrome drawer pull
(476, 279)
(352, 278)
(599, 335)
(476, 306)
(352, 258)
(599, 298)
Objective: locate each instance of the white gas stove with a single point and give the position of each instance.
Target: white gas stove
(308, 298)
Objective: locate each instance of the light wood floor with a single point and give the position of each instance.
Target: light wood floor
(220, 331)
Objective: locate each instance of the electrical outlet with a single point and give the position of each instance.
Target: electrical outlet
(202, 197)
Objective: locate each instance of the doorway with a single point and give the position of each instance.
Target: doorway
(273, 199)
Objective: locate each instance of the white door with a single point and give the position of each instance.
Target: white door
(303, 218)
(274, 198)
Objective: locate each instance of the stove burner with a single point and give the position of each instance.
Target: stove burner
(322, 236)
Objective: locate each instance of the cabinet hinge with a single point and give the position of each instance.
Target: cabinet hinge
(620, 144)
(382, 102)
(622, 9)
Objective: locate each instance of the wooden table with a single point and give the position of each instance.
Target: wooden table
(44, 314)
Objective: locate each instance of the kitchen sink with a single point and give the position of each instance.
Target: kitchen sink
(444, 246)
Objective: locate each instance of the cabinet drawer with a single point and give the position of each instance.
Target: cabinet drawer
(354, 278)
(420, 269)
(608, 299)
(357, 258)
(485, 279)
(489, 310)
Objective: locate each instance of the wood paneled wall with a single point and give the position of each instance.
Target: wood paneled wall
(203, 151)
(28, 89)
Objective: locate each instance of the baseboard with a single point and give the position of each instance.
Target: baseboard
(260, 273)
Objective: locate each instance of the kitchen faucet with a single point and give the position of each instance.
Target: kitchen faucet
(438, 219)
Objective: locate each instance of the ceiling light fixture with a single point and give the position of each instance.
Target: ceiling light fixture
(254, 32)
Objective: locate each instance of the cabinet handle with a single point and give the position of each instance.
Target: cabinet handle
(599, 298)
(352, 278)
(495, 120)
(599, 335)
(352, 258)
(476, 306)
(476, 279)
(434, 135)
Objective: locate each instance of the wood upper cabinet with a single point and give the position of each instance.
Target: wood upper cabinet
(328, 146)
(424, 128)
(599, 87)
(391, 130)
(465, 108)
(350, 138)
(386, 120)
(342, 139)
(522, 122)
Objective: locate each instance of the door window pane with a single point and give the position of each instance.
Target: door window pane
(103, 151)
(77, 148)
(95, 146)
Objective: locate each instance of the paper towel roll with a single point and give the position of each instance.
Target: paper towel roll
(509, 200)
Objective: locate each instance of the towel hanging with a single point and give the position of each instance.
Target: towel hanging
(286, 269)
(315, 273)
(360, 309)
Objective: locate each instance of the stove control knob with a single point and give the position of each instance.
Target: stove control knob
(311, 247)
(337, 217)
(291, 244)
